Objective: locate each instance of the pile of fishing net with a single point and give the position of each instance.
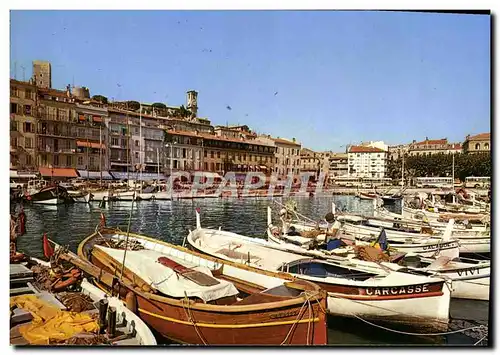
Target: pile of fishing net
(371, 253)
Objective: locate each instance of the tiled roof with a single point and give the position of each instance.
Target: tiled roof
(285, 141)
(480, 136)
(363, 149)
(433, 141)
(214, 137)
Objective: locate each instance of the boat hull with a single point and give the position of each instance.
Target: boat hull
(426, 313)
(298, 321)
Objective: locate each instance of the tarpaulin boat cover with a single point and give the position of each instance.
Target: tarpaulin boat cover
(144, 263)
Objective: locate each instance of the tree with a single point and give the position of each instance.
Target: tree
(478, 164)
(159, 105)
(100, 98)
(183, 112)
(133, 105)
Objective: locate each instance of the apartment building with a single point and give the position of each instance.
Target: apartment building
(314, 162)
(91, 140)
(338, 164)
(23, 98)
(214, 153)
(364, 161)
(396, 152)
(433, 146)
(286, 156)
(479, 143)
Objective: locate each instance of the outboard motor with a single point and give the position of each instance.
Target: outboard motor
(411, 261)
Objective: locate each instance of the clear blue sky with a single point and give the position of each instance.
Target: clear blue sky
(340, 77)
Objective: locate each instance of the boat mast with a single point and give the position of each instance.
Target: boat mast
(100, 152)
(87, 149)
(403, 172)
(140, 145)
(128, 148)
(158, 165)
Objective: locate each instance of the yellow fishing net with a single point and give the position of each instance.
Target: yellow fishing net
(50, 323)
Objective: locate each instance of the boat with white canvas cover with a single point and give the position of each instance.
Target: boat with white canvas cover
(353, 290)
(196, 299)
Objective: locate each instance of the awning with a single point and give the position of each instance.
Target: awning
(21, 174)
(208, 174)
(58, 172)
(134, 175)
(89, 144)
(94, 175)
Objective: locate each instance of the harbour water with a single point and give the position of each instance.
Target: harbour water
(170, 221)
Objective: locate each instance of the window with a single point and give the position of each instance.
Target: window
(137, 155)
(205, 154)
(56, 160)
(13, 107)
(218, 154)
(136, 143)
(486, 146)
(206, 165)
(478, 146)
(13, 91)
(184, 152)
(29, 128)
(29, 160)
(27, 110)
(114, 141)
(13, 126)
(211, 154)
(13, 142)
(69, 161)
(27, 94)
(28, 143)
(80, 160)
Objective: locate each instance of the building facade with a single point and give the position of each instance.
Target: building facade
(213, 153)
(396, 152)
(366, 162)
(479, 143)
(92, 138)
(433, 146)
(23, 106)
(338, 165)
(286, 156)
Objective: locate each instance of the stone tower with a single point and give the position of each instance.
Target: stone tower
(42, 75)
(192, 102)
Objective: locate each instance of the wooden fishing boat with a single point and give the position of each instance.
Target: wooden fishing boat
(465, 242)
(429, 246)
(419, 214)
(417, 224)
(196, 299)
(353, 290)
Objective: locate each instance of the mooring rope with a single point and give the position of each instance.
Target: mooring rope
(415, 334)
(190, 318)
